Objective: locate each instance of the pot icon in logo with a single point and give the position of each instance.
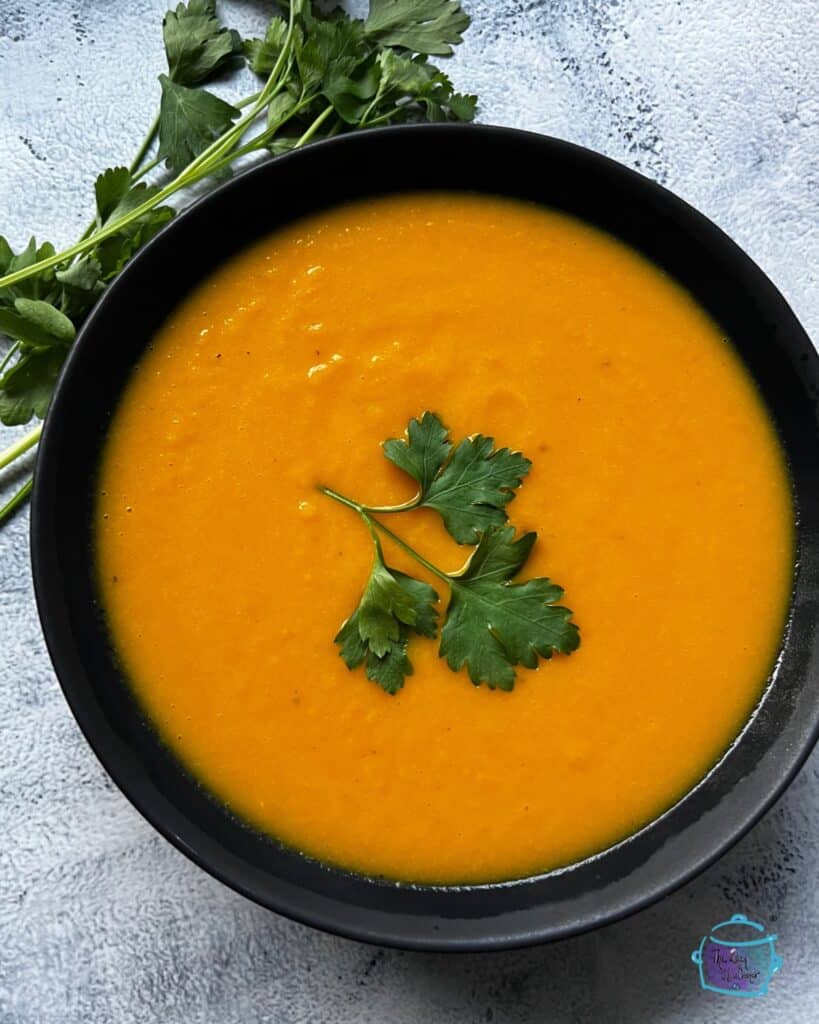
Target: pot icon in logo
(737, 966)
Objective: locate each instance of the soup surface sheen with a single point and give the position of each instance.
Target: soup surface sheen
(658, 491)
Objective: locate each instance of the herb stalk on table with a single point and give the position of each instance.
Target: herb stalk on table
(320, 72)
(492, 624)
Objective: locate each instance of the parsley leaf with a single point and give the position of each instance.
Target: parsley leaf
(39, 324)
(82, 286)
(115, 251)
(377, 633)
(36, 324)
(117, 197)
(390, 670)
(262, 54)
(110, 189)
(196, 45)
(40, 285)
(25, 389)
(424, 452)
(471, 489)
(189, 121)
(420, 90)
(425, 26)
(42, 312)
(330, 48)
(492, 625)
(281, 109)
(462, 106)
(33, 313)
(350, 96)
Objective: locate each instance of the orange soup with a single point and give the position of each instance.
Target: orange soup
(658, 491)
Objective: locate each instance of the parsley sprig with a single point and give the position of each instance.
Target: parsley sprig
(493, 622)
(320, 73)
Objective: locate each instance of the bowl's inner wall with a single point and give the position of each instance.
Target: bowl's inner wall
(689, 248)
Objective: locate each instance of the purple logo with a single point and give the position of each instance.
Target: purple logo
(735, 964)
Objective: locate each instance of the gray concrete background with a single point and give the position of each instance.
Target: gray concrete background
(103, 921)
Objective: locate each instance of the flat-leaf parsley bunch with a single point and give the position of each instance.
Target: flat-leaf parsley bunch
(492, 622)
(320, 73)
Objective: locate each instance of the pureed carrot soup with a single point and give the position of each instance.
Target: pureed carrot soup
(657, 490)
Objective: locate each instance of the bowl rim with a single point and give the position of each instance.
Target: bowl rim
(387, 928)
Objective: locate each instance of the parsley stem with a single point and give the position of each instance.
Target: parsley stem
(138, 175)
(363, 511)
(211, 154)
(369, 523)
(136, 170)
(14, 451)
(260, 141)
(314, 127)
(383, 510)
(147, 142)
(411, 552)
(139, 171)
(246, 101)
(341, 499)
(384, 118)
(373, 104)
(5, 361)
(197, 169)
(11, 506)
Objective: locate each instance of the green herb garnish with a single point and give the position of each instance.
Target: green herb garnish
(470, 486)
(321, 73)
(492, 624)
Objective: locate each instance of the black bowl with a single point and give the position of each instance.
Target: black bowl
(623, 878)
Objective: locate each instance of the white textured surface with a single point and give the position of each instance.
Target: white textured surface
(100, 919)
